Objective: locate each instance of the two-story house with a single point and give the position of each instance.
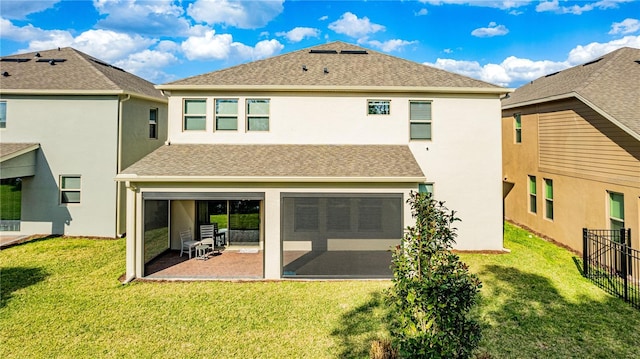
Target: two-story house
(571, 150)
(308, 159)
(69, 123)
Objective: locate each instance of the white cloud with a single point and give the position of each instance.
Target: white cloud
(554, 6)
(147, 64)
(19, 9)
(421, 12)
(299, 33)
(240, 14)
(142, 17)
(350, 25)
(324, 18)
(492, 30)
(25, 33)
(627, 26)
(212, 46)
(515, 71)
(503, 5)
(390, 45)
(110, 45)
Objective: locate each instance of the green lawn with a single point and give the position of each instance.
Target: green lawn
(10, 200)
(61, 298)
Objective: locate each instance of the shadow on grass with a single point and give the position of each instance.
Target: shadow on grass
(15, 278)
(527, 317)
(360, 326)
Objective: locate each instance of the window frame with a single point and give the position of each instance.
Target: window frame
(153, 124)
(517, 127)
(421, 121)
(223, 115)
(3, 114)
(620, 220)
(427, 187)
(63, 190)
(533, 194)
(548, 199)
(250, 116)
(186, 115)
(371, 104)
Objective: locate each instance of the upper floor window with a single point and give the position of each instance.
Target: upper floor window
(153, 123)
(70, 189)
(3, 114)
(518, 127)
(616, 210)
(379, 107)
(548, 198)
(195, 114)
(533, 195)
(258, 115)
(420, 120)
(226, 114)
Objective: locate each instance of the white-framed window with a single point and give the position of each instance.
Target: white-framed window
(153, 123)
(226, 114)
(420, 120)
(378, 107)
(425, 188)
(70, 187)
(548, 198)
(3, 114)
(616, 210)
(258, 114)
(533, 195)
(517, 125)
(195, 114)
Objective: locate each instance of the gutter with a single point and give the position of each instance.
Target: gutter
(254, 179)
(83, 93)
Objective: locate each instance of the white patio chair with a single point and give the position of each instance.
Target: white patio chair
(208, 235)
(187, 242)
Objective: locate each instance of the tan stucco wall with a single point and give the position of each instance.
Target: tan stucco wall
(580, 195)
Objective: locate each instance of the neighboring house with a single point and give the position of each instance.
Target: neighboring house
(309, 158)
(68, 124)
(571, 150)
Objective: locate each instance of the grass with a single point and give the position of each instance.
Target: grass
(61, 298)
(10, 200)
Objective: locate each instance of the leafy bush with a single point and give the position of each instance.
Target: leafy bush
(432, 290)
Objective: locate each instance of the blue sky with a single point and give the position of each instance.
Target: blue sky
(506, 42)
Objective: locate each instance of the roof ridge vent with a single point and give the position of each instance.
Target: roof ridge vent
(13, 59)
(317, 51)
(354, 52)
(106, 64)
(592, 62)
(552, 74)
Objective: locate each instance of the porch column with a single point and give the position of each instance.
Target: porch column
(131, 232)
(272, 250)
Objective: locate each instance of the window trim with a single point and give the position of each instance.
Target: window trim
(517, 128)
(215, 114)
(153, 123)
(533, 195)
(63, 190)
(430, 121)
(388, 105)
(248, 116)
(185, 115)
(548, 200)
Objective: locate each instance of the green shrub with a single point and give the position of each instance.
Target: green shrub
(432, 290)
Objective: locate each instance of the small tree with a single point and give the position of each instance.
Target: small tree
(432, 290)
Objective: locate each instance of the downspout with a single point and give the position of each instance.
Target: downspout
(121, 101)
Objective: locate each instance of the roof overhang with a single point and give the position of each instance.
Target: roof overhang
(17, 159)
(62, 92)
(308, 88)
(581, 98)
(266, 179)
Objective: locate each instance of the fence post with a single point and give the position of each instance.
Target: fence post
(585, 252)
(624, 259)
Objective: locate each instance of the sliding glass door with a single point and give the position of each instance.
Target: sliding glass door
(240, 219)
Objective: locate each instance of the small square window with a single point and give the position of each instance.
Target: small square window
(258, 115)
(195, 114)
(420, 120)
(226, 114)
(70, 189)
(425, 188)
(379, 107)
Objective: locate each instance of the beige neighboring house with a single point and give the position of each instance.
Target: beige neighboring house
(68, 124)
(307, 159)
(571, 150)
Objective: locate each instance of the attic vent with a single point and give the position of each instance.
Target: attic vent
(592, 62)
(107, 65)
(50, 60)
(637, 62)
(323, 51)
(553, 74)
(354, 52)
(15, 60)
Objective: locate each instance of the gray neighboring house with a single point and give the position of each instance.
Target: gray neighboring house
(68, 124)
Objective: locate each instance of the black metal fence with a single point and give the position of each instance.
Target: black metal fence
(610, 262)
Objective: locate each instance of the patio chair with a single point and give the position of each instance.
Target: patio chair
(207, 235)
(187, 242)
(220, 237)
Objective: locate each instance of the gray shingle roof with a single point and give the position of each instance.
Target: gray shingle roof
(339, 161)
(10, 150)
(372, 69)
(79, 72)
(612, 83)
